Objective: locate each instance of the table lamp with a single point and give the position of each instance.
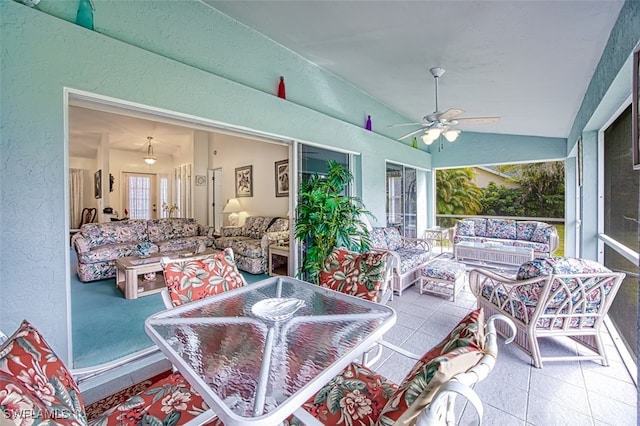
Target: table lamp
(233, 207)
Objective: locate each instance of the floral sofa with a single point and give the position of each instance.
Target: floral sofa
(408, 255)
(99, 245)
(250, 242)
(540, 236)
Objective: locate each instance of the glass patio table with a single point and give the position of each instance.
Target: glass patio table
(257, 353)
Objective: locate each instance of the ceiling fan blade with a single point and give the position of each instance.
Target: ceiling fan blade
(405, 124)
(450, 114)
(410, 134)
(478, 120)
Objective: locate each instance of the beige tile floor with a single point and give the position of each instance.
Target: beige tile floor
(516, 393)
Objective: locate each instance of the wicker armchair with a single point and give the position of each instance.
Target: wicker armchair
(551, 297)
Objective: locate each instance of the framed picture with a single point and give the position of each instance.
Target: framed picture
(282, 178)
(97, 184)
(244, 181)
(635, 111)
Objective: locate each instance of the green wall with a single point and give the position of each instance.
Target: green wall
(180, 56)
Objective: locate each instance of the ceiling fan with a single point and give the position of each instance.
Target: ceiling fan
(443, 123)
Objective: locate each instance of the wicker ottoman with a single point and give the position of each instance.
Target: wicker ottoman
(442, 278)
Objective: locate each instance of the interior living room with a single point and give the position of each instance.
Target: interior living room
(207, 95)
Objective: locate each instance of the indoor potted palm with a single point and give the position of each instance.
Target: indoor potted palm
(328, 218)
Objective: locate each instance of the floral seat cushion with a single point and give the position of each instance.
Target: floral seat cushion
(198, 278)
(353, 273)
(170, 401)
(35, 385)
(460, 350)
(446, 270)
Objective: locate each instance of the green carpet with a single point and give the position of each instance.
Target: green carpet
(105, 325)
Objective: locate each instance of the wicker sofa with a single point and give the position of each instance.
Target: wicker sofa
(250, 242)
(99, 245)
(407, 255)
(540, 236)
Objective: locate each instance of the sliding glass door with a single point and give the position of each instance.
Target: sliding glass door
(402, 199)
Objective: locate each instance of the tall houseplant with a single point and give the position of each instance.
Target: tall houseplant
(328, 218)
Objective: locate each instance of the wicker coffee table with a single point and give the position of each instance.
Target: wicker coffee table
(141, 276)
(493, 253)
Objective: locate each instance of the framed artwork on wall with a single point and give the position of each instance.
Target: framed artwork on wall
(244, 181)
(282, 178)
(635, 111)
(97, 184)
(201, 180)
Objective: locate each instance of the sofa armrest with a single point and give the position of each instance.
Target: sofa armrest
(554, 241)
(417, 243)
(231, 231)
(80, 243)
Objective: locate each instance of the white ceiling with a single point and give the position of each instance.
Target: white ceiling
(527, 61)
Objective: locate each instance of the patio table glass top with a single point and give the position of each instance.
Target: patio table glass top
(255, 354)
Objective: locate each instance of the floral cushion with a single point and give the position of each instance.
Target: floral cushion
(356, 274)
(171, 228)
(447, 270)
(393, 237)
(525, 230)
(256, 226)
(501, 228)
(466, 228)
(35, 386)
(196, 279)
(411, 258)
(100, 234)
(558, 265)
(278, 225)
(542, 234)
(170, 401)
(459, 351)
(479, 227)
(354, 397)
(378, 239)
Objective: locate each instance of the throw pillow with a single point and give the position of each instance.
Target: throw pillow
(199, 278)
(353, 273)
(525, 230)
(501, 228)
(480, 227)
(456, 353)
(35, 386)
(465, 228)
(542, 233)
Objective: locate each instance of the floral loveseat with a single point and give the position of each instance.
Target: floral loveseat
(540, 236)
(250, 242)
(99, 245)
(407, 255)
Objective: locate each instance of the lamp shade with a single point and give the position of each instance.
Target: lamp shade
(233, 206)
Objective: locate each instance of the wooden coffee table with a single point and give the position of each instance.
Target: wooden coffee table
(141, 276)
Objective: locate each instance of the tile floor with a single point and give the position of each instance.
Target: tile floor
(516, 393)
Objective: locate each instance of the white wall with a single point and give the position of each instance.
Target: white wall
(229, 152)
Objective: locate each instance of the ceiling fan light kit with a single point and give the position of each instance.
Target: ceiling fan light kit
(149, 158)
(442, 123)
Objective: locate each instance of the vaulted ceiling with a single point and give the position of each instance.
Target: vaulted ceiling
(527, 61)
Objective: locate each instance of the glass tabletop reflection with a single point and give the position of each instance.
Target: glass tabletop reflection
(259, 352)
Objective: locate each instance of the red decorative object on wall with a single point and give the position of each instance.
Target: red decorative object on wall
(281, 90)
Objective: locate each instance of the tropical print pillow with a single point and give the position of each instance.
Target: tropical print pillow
(35, 385)
(199, 278)
(353, 273)
(456, 353)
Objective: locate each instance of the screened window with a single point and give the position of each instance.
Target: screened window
(621, 185)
